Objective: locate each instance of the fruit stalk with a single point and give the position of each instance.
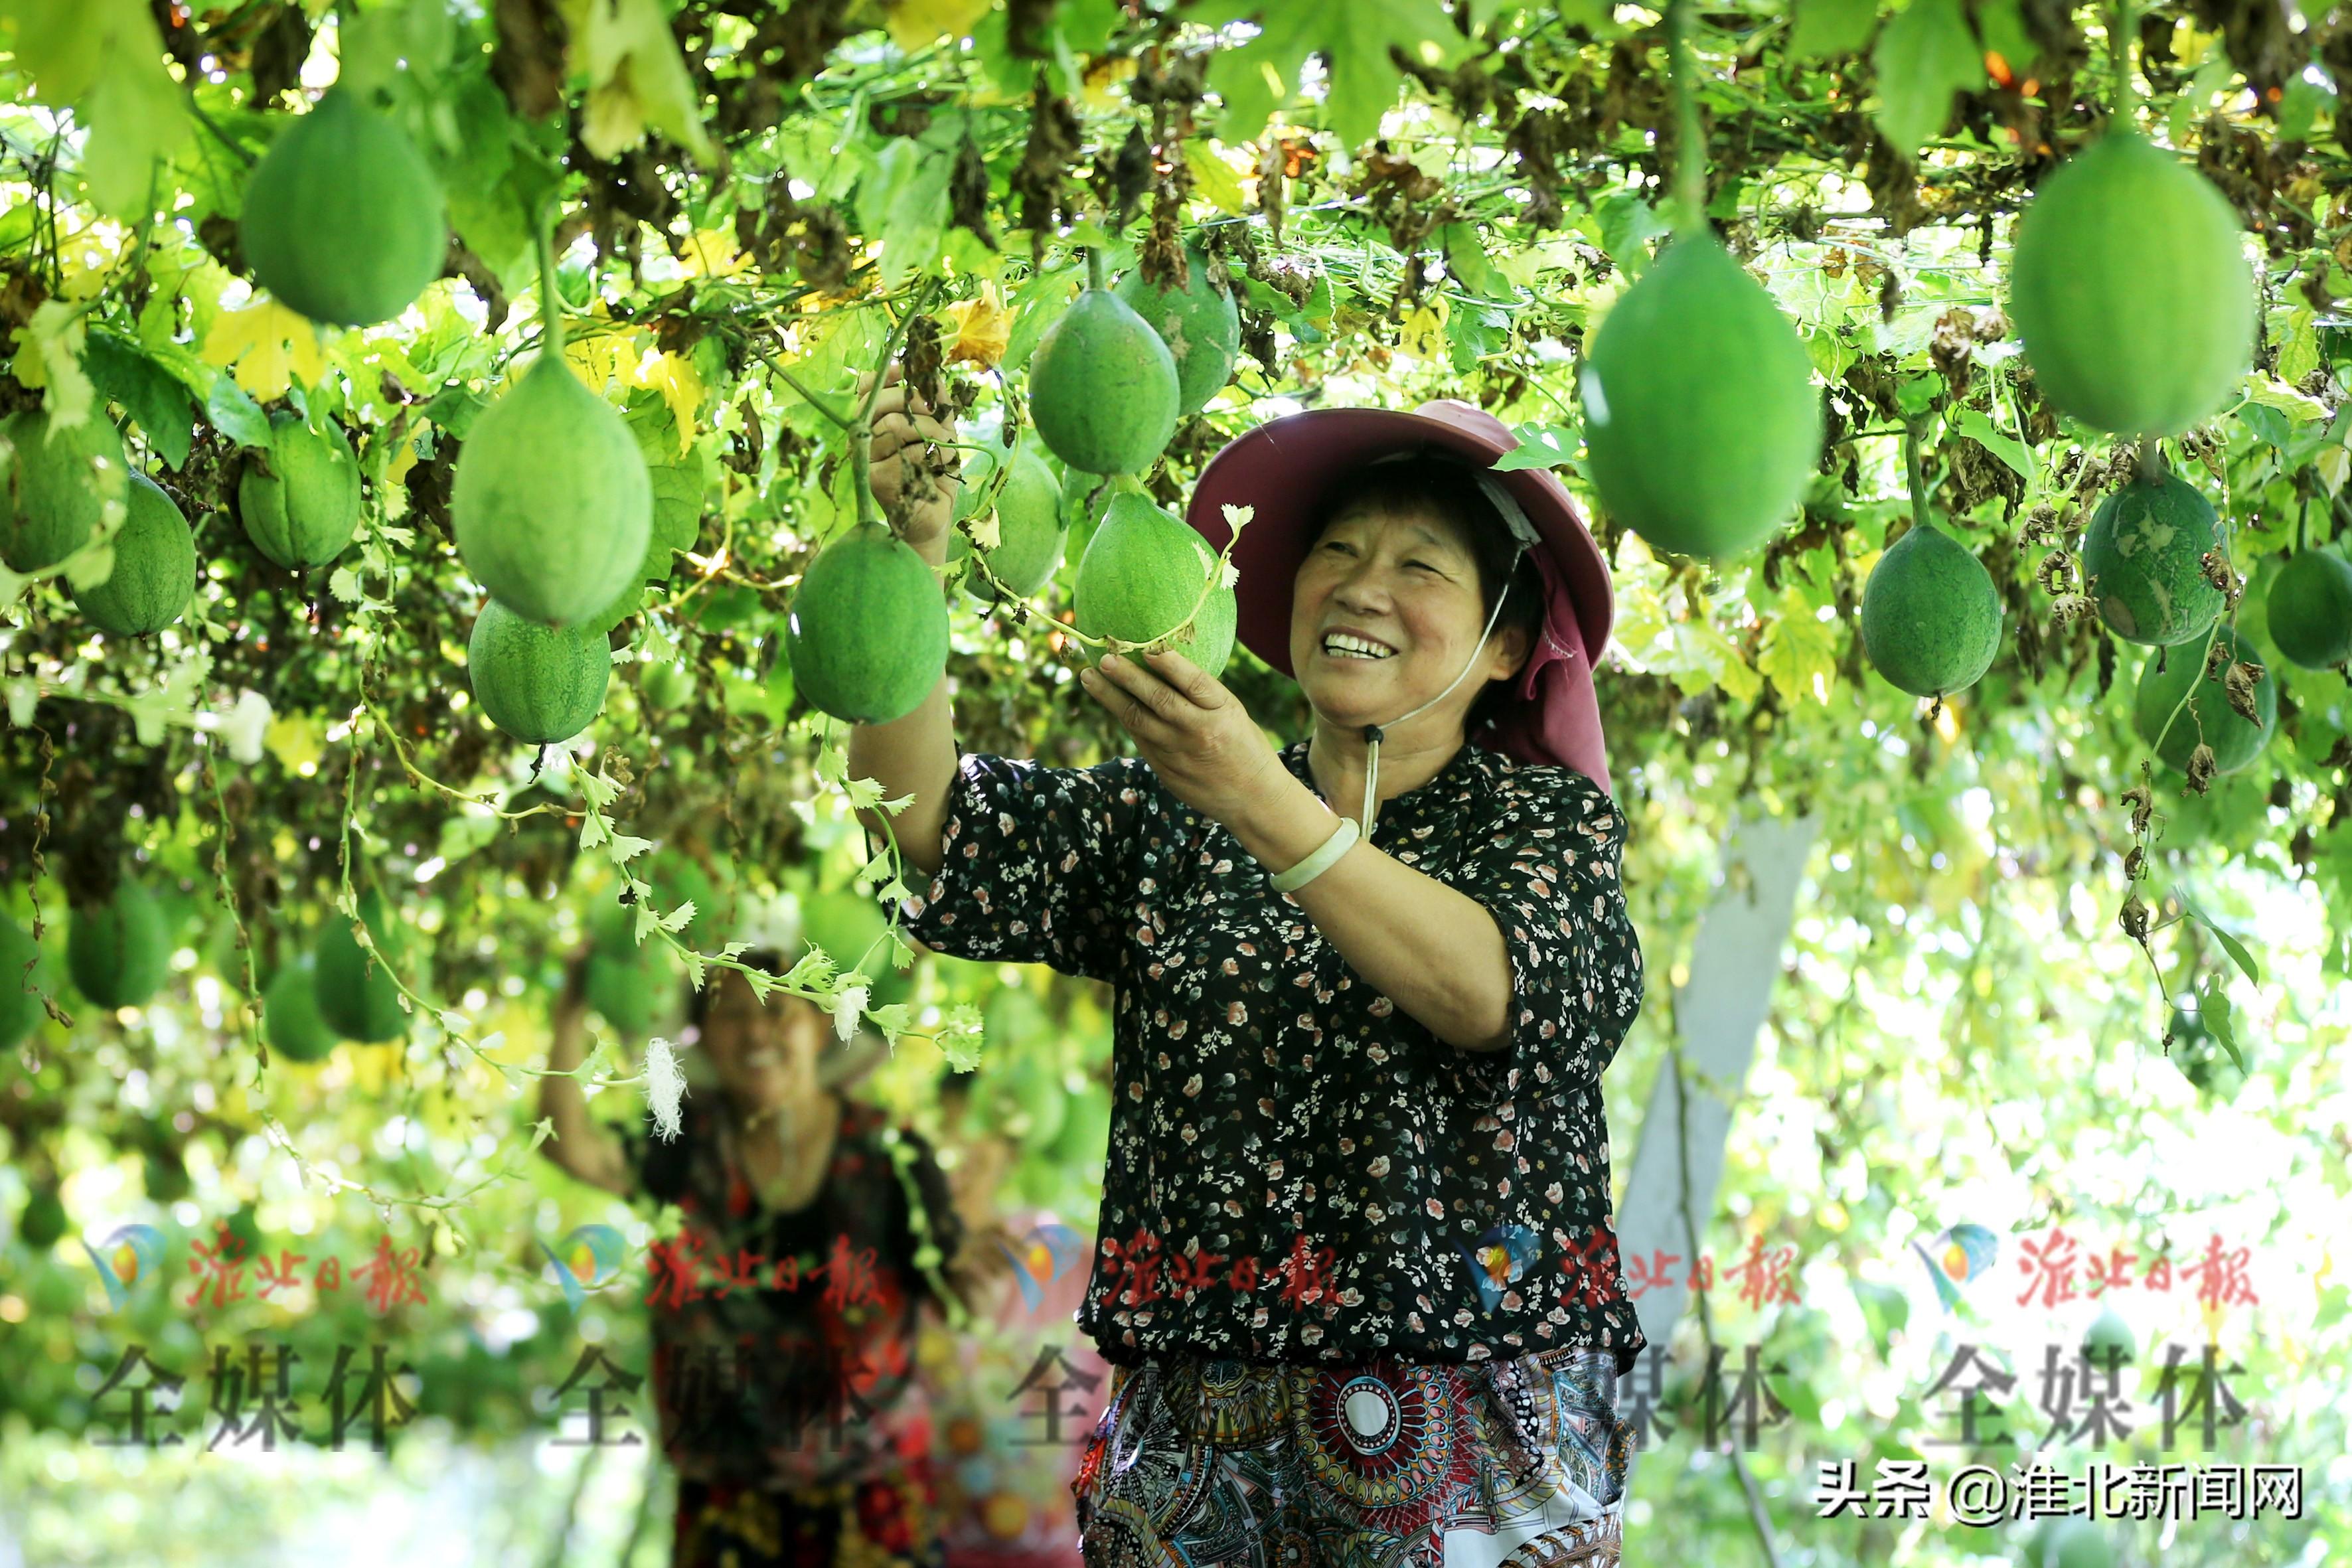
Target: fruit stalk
(1917, 470)
(550, 299)
(1094, 267)
(2122, 114)
(2151, 461)
(1690, 140)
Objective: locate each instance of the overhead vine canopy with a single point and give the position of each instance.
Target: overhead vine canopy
(725, 220)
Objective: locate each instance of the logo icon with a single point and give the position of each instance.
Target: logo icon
(1956, 1256)
(1049, 1252)
(130, 1254)
(585, 1260)
(1501, 1259)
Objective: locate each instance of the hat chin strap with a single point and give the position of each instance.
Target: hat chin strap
(1372, 732)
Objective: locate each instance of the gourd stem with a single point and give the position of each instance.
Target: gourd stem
(1094, 267)
(1690, 140)
(550, 299)
(1918, 469)
(2151, 461)
(2123, 114)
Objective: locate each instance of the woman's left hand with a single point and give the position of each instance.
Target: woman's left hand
(1195, 733)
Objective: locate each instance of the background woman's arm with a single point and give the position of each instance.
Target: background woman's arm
(577, 1144)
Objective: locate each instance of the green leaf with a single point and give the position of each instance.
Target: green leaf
(485, 207)
(235, 414)
(1541, 446)
(2229, 944)
(126, 374)
(1830, 28)
(1925, 55)
(1465, 258)
(1038, 305)
(2015, 453)
(2213, 1011)
(105, 59)
(1258, 78)
(1625, 225)
(1799, 646)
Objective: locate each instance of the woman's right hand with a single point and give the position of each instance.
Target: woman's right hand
(912, 468)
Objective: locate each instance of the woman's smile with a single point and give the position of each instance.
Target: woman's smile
(1348, 645)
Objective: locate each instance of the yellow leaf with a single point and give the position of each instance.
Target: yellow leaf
(294, 740)
(1214, 179)
(599, 356)
(1424, 333)
(1106, 72)
(49, 355)
(919, 23)
(403, 458)
(680, 385)
(88, 258)
(984, 328)
(712, 253)
(267, 345)
(1799, 651)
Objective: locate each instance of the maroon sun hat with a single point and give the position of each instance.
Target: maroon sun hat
(1286, 470)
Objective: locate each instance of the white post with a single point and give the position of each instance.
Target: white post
(1737, 956)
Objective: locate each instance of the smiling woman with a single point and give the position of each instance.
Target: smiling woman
(1356, 1060)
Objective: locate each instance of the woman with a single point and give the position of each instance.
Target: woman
(1356, 1262)
(786, 1310)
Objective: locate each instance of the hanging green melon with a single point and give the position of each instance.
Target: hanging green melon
(2143, 562)
(342, 218)
(1200, 323)
(118, 951)
(1103, 390)
(165, 1175)
(299, 496)
(541, 685)
(1142, 574)
(291, 1021)
(357, 997)
(1930, 615)
(1031, 533)
(20, 1010)
(154, 571)
(41, 1223)
(868, 634)
(56, 482)
(2109, 1337)
(2310, 613)
(552, 499)
(1700, 417)
(2131, 290)
(2207, 715)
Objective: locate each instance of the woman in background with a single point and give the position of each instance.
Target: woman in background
(785, 1313)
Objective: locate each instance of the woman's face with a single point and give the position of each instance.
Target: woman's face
(1384, 612)
(762, 1052)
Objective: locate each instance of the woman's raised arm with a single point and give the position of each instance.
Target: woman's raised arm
(576, 1142)
(914, 475)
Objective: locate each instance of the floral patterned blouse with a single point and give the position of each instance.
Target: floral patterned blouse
(1297, 1170)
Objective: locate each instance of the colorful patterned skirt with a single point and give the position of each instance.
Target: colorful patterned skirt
(1500, 1464)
